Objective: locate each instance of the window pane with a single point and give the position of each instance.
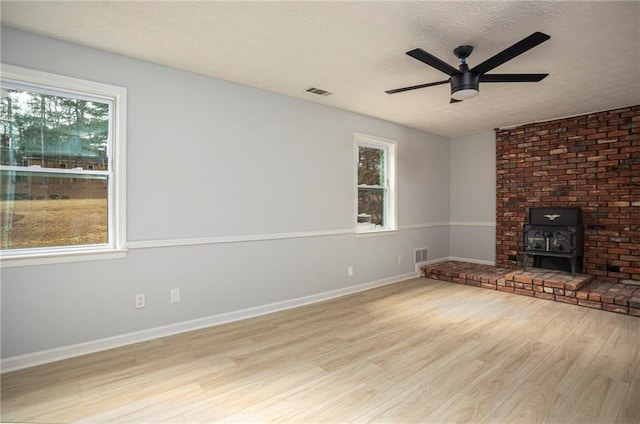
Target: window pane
(371, 206)
(376, 198)
(50, 131)
(40, 209)
(371, 166)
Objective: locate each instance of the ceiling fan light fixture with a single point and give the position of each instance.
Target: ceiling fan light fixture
(464, 94)
(464, 86)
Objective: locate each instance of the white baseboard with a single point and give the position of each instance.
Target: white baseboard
(434, 261)
(46, 356)
(456, 258)
(473, 261)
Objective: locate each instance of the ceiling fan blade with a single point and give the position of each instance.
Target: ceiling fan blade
(433, 61)
(415, 87)
(512, 77)
(511, 52)
(454, 101)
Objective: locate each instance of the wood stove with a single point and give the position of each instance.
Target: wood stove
(554, 237)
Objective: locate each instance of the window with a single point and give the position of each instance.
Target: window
(375, 173)
(61, 167)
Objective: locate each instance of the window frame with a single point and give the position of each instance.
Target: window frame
(390, 192)
(56, 84)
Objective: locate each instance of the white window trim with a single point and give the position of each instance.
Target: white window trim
(391, 206)
(117, 167)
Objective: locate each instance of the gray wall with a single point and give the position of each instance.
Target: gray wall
(209, 158)
(472, 201)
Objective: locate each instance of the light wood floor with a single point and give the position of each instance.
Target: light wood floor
(416, 351)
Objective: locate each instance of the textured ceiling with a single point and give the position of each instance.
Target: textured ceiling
(357, 51)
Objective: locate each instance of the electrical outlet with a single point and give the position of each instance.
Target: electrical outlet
(175, 295)
(350, 271)
(400, 258)
(140, 301)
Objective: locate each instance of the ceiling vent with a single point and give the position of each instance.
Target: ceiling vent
(319, 91)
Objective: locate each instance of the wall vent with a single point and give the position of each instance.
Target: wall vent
(420, 255)
(319, 91)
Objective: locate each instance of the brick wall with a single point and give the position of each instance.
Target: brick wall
(590, 161)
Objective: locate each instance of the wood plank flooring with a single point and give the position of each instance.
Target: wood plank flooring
(416, 351)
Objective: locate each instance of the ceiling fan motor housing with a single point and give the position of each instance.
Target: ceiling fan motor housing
(466, 81)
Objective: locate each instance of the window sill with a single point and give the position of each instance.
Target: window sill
(371, 233)
(10, 261)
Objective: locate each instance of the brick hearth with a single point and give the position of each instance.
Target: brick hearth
(558, 286)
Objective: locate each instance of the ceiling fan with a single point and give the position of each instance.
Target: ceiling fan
(464, 81)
